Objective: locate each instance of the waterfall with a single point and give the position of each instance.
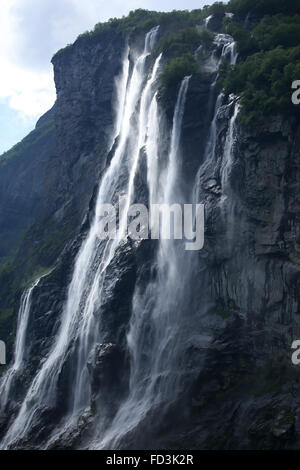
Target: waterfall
(210, 164)
(230, 49)
(158, 331)
(212, 139)
(155, 324)
(121, 87)
(210, 149)
(152, 146)
(20, 346)
(227, 45)
(172, 172)
(207, 20)
(79, 330)
(227, 161)
(228, 204)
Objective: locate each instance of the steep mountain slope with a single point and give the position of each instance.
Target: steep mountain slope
(22, 183)
(123, 348)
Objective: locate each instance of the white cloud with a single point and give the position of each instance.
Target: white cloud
(31, 31)
(26, 89)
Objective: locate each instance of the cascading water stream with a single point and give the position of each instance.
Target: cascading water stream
(226, 43)
(86, 331)
(227, 161)
(78, 329)
(227, 202)
(20, 346)
(154, 321)
(155, 335)
(121, 88)
(228, 48)
(152, 146)
(212, 140)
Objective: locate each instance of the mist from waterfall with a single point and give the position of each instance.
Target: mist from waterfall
(227, 161)
(157, 336)
(153, 337)
(78, 330)
(20, 346)
(228, 49)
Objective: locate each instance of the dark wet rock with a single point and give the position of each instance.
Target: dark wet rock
(108, 368)
(239, 388)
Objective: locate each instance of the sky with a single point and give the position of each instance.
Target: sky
(31, 31)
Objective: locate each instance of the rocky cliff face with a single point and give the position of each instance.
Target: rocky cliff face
(252, 274)
(48, 181)
(85, 84)
(22, 183)
(238, 388)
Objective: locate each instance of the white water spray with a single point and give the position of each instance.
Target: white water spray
(155, 310)
(227, 160)
(156, 322)
(78, 330)
(20, 346)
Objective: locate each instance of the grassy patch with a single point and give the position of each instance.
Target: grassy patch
(35, 137)
(223, 313)
(269, 60)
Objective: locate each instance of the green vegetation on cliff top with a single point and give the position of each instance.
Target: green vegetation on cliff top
(267, 33)
(268, 64)
(143, 20)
